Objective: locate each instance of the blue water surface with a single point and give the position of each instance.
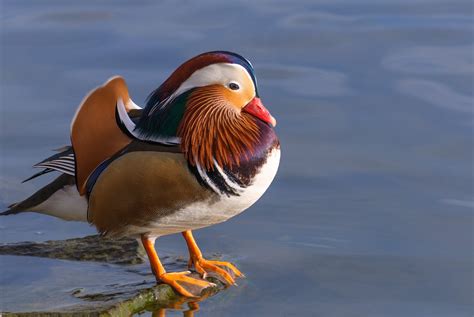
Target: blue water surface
(371, 213)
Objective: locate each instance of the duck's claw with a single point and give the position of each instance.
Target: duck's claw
(224, 271)
(184, 284)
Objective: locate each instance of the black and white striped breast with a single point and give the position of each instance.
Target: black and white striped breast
(232, 181)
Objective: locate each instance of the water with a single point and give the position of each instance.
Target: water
(372, 209)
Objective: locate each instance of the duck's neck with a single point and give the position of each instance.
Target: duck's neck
(230, 179)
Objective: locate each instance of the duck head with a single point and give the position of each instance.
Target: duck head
(210, 104)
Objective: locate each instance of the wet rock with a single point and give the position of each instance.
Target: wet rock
(154, 299)
(91, 248)
(117, 299)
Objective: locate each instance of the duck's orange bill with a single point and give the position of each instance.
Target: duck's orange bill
(257, 109)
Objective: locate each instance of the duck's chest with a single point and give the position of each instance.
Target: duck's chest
(252, 185)
(233, 197)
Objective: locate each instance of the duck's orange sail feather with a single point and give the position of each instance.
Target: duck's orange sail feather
(95, 135)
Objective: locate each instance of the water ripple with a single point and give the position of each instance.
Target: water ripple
(459, 202)
(436, 94)
(305, 81)
(432, 60)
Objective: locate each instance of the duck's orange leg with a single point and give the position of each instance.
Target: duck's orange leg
(180, 281)
(225, 270)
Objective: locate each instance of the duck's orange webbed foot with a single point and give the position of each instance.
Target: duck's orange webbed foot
(181, 281)
(225, 271)
(184, 284)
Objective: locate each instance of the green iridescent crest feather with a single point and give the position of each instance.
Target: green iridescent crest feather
(164, 122)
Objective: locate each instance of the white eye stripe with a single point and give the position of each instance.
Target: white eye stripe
(220, 73)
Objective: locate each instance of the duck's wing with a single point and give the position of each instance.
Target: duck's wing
(97, 129)
(140, 185)
(62, 162)
(101, 127)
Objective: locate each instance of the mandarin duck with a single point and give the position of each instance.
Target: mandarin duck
(201, 151)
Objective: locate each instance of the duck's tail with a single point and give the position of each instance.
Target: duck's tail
(60, 197)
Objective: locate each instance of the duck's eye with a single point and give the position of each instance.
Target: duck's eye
(234, 86)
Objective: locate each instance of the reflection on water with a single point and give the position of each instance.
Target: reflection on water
(189, 312)
(188, 307)
(371, 212)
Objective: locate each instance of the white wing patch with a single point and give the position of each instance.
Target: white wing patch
(124, 118)
(130, 126)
